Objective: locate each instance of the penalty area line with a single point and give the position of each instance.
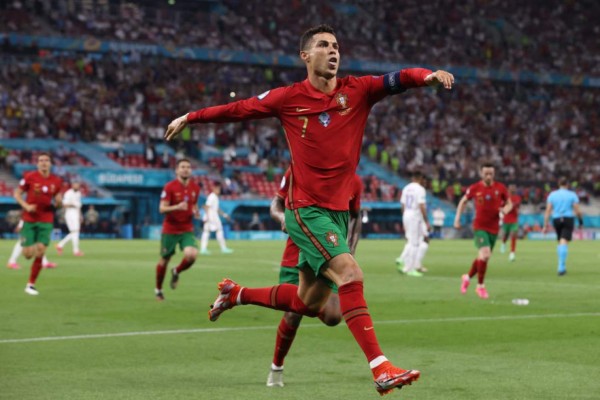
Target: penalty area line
(272, 327)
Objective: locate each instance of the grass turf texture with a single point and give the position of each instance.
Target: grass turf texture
(466, 348)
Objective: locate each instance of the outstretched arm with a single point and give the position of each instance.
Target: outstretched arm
(440, 77)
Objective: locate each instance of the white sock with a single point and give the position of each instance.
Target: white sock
(221, 240)
(45, 261)
(423, 246)
(204, 240)
(65, 240)
(376, 362)
(276, 367)
(15, 253)
(75, 241)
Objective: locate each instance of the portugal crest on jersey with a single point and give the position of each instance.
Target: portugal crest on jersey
(342, 101)
(324, 119)
(332, 237)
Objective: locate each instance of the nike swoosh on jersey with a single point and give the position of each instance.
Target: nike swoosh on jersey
(298, 109)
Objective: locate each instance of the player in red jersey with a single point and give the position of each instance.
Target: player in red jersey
(179, 203)
(489, 197)
(330, 314)
(324, 120)
(510, 223)
(41, 187)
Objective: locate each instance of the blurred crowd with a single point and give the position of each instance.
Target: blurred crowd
(532, 132)
(549, 36)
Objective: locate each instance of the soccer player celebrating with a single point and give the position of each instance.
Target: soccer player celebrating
(330, 314)
(488, 196)
(179, 201)
(563, 205)
(72, 203)
(41, 187)
(510, 223)
(324, 118)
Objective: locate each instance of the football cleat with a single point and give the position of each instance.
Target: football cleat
(49, 265)
(174, 279)
(465, 283)
(275, 378)
(481, 292)
(59, 250)
(78, 254)
(227, 298)
(415, 273)
(511, 256)
(30, 289)
(562, 273)
(227, 251)
(387, 377)
(159, 295)
(205, 252)
(13, 265)
(503, 248)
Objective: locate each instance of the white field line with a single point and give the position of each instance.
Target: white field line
(273, 327)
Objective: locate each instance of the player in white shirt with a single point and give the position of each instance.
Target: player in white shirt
(416, 224)
(18, 249)
(212, 222)
(73, 217)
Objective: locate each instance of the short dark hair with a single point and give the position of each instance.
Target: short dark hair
(563, 181)
(43, 153)
(486, 164)
(417, 174)
(308, 35)
(182, 160)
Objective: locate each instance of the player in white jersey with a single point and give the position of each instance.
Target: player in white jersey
(416, 224)
(72, 205)
(18, 249)
(212, 222)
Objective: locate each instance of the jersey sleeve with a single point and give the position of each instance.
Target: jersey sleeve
(24, 183)
(393, 83)
(284, 186)
(575, 198)
(470, 193)
(265, 105)
(422, 196)
(166, 194)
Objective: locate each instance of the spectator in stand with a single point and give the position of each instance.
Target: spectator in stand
(91, 218)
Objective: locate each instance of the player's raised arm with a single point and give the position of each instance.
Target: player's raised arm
(264, 105)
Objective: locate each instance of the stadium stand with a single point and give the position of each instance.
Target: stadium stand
(111, 107)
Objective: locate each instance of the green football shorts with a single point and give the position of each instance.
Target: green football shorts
(292, 275)
(169, 242)
(319, 233)
(485, 239)
(507, 228)
(36, 232)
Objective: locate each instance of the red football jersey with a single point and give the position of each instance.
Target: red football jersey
(488, 201)
(40, 191)
(513, 216)
(324, 130)
(180, 221)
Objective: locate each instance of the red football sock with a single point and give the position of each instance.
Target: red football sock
(282, 297)
(355, 312)
(160, 275)
(513, 244)
(185, 264)
(36, 267)
(474, 268)
(285, 337)
(481, 271)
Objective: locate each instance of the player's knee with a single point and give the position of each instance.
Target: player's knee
(292, 319)
(330, 319)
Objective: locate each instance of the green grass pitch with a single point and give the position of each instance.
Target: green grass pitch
(96, 331)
